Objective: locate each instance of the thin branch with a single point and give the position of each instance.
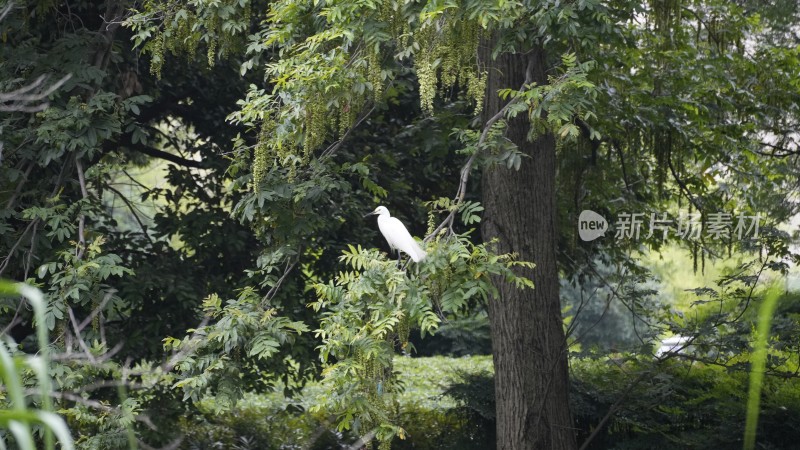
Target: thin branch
(104, 384)
(274, 289)
(7, 259)
(363, 441)
(83, 357)
(628, 391)
(611, 411)
(684, 188)
(81, 178)
(187, 348)
(20, 185)
(82, 219)
(96, 310)
(615, 292)
(23, 94)
(711, 34)
(22, 100)
(324, 426)
(675, 352)
(564, 348)
(132, 210)
(29, 259)
(78, 399)
(6, 9)
(621, 156)
(14, 320)
(33, 224)
(167, 156)
(574, 323)
(175, 444)
(172, 140)
(78, 336)
(752, 290)
(147, 150)
(112, 19)
(785, 152)
(137, 182)
(335, 146)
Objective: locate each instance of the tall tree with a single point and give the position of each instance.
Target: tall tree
(528, 344)
(328, 65)
(336, 60)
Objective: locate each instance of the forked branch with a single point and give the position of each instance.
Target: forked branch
(32, 97)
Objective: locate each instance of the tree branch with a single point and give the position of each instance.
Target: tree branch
(160, 154)
(613, 409)
(335, 146)
(20, 185)
(132, 210)
(7, 259)
(628, 390)
(684, 188)
(31, 97)
(784, 152)
(82, 220)
(78, 336)
(274, 289)
(189, 347)
(621, 156)
(6, 9)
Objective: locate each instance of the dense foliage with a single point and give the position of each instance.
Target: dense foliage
(185, 182)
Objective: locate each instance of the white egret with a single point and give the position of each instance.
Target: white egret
(397, 235)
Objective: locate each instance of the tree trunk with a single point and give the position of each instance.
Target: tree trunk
(529, 349)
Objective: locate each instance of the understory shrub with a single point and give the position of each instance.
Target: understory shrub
(448, 403)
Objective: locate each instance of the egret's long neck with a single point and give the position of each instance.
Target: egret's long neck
(383, 219)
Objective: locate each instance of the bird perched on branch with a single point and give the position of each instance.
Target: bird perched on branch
(397, 235)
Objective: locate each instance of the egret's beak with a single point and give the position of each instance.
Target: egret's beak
(370, 214)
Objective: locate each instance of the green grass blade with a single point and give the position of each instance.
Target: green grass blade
(22, 434)
(9, 373)
(758, 362)
(56, 423)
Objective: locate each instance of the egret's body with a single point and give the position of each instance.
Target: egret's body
(397, 235)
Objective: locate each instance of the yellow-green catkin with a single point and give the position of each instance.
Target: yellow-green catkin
(424, 61)
(448, 55)
(667, 16)
(262, 153)
(374, 73)
(316, 123)
(213, 39)
(403, 331)
(156, 49)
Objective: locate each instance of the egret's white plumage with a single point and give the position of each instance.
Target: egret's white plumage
(397, 235)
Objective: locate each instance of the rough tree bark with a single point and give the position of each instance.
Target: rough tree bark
(529, 351)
